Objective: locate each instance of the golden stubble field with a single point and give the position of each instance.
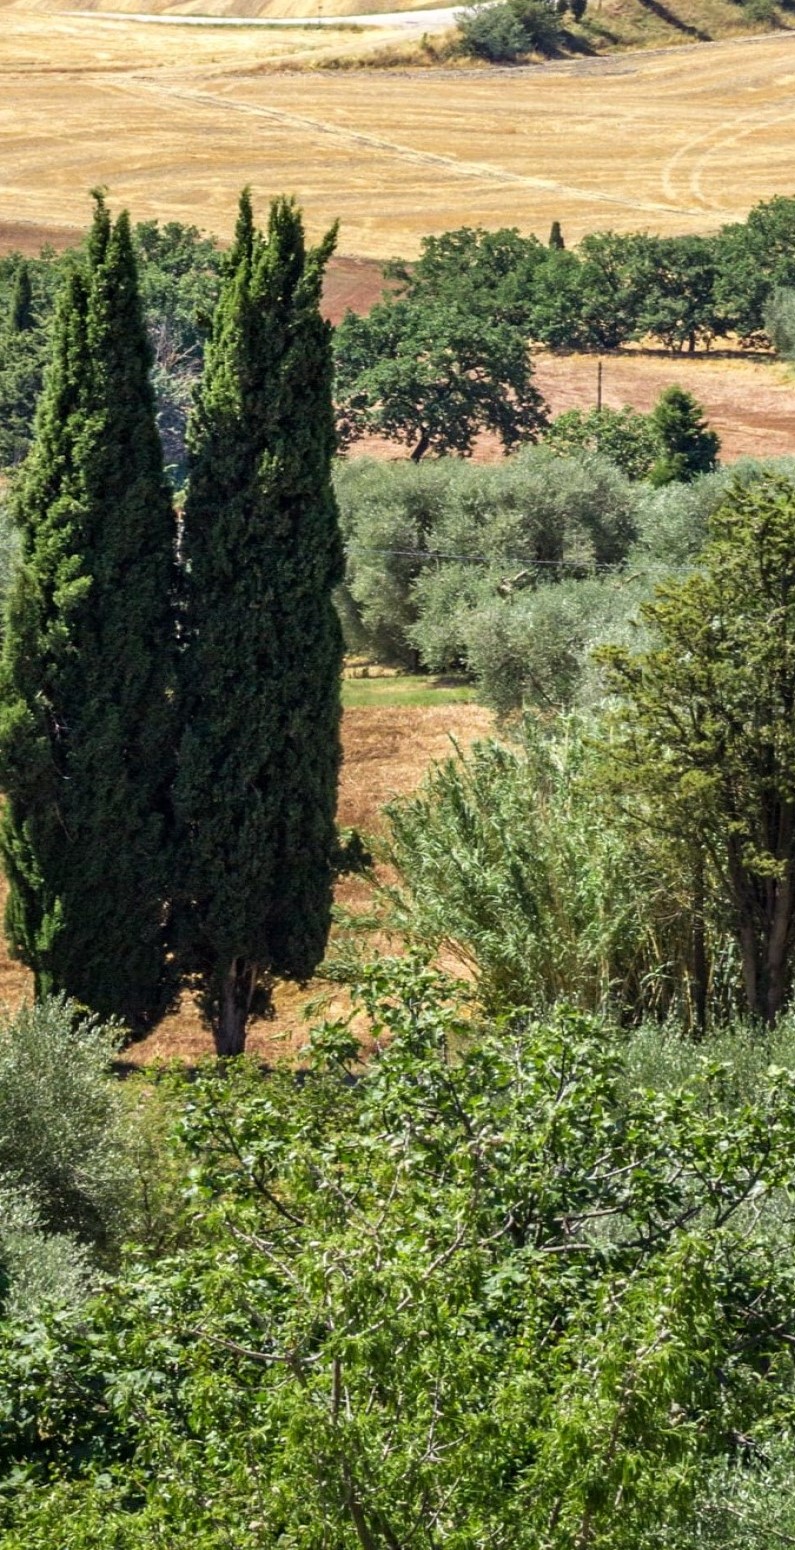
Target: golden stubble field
(173, 121)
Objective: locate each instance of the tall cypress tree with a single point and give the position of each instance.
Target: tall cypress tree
(256, 791)
(21, 317)
(87, 674)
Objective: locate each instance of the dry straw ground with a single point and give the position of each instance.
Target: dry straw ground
(174, 122)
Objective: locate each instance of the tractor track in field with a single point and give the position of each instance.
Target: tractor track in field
(136, 83)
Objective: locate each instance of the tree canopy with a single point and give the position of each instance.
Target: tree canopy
(257, 783)
(87, 673)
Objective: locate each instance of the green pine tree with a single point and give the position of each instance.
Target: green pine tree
(257, 786)
(21, 317)
(87, 672)
(689, 447)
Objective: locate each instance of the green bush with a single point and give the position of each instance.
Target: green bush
(481, 1289)
(625, 437)
(780, 320)
(37, 1267)
(63, 1137)
(504, 32)
(406, 525)
(512, 858)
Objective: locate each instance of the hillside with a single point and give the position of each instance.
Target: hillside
(609, 24)
(704, 132)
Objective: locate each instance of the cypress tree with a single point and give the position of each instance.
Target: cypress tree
(256, 790)
(21, 317)
(88, 665)
(556, 237)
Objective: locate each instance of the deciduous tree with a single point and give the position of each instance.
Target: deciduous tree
(706, 727)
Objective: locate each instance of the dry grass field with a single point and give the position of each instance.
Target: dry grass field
(174, 122)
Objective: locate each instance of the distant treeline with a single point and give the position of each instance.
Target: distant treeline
(680, 292)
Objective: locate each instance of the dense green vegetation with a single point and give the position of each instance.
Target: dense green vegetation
(508, 1261)
(260, 667)
(88, 668)
(520, 1282)
(512, 573)
(445, 353)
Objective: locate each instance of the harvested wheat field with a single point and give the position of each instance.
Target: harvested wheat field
(174, 122)
(386, 751)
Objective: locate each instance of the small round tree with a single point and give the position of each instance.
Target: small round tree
(689, 446)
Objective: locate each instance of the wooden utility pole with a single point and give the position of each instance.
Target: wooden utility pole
(599, 387)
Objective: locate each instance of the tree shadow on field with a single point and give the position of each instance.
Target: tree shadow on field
(567, 45)
(727, 354)
(664, 15)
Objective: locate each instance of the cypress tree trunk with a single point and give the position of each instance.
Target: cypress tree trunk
(87, 674)
(257, 784)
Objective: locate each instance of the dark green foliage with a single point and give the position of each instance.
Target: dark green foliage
(432, 375)
(87, 675)
(180, 278)
(556, 236)
(484, 1289)
(706, 742)
(689, 447)
(489, 272)
(614, 277)
(25, 304)
(505, 32)
(21, 319)
(752, 259)
(179, 275)
(556, 302)
(677, 302)
(626, 438)
(256, 791)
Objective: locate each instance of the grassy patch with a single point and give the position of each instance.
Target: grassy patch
(407, 689)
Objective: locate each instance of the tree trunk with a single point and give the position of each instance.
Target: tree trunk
(778, 948)
(700, 966)
(422, 446)
(749, 967)
(234, 1007)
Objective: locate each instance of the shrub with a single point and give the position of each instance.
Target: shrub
(512, 860)
(37, 1267)
(406, 525)
(625, 437)
(62, 1125)
(780, 320)
(492, 32)
(502, 33)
